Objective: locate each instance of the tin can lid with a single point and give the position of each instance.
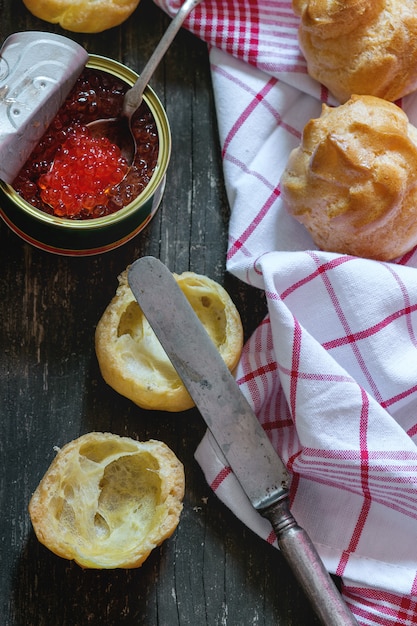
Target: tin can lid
(37, 71)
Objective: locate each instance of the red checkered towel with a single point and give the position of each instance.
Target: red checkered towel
(332, 370)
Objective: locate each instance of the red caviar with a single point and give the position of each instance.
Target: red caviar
(95, 95)
(84, 171)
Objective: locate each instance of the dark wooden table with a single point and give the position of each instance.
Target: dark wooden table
(213, 571)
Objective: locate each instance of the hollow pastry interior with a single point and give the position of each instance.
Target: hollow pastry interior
(131, 358)
(107, 501)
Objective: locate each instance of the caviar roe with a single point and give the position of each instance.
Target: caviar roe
(83, 172)
(96, 94)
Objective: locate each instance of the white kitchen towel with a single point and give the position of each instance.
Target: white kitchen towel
(332, 370)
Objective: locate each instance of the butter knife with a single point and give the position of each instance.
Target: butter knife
(235, 427)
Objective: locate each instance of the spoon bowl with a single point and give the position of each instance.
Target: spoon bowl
(118, 130)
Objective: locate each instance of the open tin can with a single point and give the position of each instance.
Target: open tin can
(83, 237)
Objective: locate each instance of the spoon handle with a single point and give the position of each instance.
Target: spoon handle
(133, 96)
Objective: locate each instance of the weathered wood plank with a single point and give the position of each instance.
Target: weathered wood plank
(213, 571)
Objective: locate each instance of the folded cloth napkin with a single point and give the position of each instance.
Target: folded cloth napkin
(332, 370)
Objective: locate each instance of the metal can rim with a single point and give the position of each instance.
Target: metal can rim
(129, 76)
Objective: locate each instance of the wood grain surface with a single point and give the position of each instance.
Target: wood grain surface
(213, 571)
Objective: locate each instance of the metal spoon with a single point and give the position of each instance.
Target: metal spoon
(118, 129)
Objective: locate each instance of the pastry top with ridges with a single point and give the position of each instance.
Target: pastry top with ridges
(360, 46)
(353, 180)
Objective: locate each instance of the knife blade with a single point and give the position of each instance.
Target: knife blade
(234, 426)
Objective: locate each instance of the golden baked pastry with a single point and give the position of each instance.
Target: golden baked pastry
(365, 47)
(132, 360)
(353, 180)
(107, 501)
(83, 16)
